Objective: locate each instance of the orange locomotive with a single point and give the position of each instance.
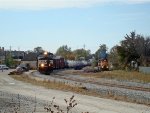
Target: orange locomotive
(103, 64)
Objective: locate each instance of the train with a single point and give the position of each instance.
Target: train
(103, 64)
(48, 62)
(45, 63)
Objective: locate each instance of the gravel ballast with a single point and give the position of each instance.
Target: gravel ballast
(142, 97)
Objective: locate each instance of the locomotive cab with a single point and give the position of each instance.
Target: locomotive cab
(45, 64)
(103, 65)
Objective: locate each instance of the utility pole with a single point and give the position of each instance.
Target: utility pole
(9, 57)
(84, 46)
(10, 51)
(18, 53)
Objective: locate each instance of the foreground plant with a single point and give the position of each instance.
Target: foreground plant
(70, 104)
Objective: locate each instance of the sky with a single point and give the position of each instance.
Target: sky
(26, 24)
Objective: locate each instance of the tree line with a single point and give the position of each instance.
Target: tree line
(77, 54)
(134, 47)
(67, 53)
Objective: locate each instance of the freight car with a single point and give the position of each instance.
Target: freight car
(59, 62)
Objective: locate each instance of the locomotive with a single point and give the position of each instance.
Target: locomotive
(47, 62)
(103, 64)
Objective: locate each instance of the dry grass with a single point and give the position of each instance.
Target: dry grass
(59, 86)
(116, 74)
(48, 84)
(64, 87)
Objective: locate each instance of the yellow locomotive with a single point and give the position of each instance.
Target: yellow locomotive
(103, 64)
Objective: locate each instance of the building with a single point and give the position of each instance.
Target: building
(30, 59)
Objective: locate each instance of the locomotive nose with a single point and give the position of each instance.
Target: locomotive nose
(42, 65)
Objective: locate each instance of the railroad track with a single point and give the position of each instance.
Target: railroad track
(60, 76)
(126, 91)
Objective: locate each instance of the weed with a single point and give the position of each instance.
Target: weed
(70, 104)
(65, 87)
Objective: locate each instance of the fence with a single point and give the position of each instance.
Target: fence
(16, 103)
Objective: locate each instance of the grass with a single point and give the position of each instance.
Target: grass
(132, 76)
(52, 84)
(79, 90)
(62, 86)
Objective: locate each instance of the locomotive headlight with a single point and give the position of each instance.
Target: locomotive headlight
(42, 65)
(45, 53)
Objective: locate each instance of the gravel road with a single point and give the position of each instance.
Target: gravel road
(9, 87)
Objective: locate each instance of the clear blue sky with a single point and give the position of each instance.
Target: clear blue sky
(50, 24)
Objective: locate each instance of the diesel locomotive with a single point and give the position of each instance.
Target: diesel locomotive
(47, 62)
(103, 64)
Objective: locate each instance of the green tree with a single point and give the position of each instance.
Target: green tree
(143, 49)
(127, 50)
(132, 48)
(114, 57)
(102, 47)
(65, 52)
(82, 53)
(9, 60)
(38, 50)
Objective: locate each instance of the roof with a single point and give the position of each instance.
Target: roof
(57, 57)
(30, 57)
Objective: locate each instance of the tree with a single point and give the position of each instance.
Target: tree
(127, 50)
(82, 53)
(38, 50)
(143, 49)
(9, 61)
(114, 57)
(102, 48)
(133, 47)
(65, 52)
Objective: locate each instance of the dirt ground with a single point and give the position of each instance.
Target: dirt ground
(85, 103)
